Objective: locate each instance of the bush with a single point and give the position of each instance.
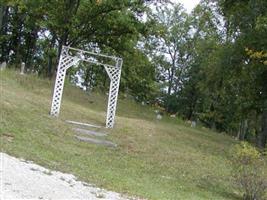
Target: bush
(248, 171)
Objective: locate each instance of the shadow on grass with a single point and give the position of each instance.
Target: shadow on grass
(210, 183)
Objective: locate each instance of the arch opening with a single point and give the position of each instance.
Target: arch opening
(70, 57)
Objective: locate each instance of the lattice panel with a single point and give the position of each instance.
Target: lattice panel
(114, 73)
(64, 63)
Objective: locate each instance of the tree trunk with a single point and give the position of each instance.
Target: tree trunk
(30, 43)
(3, 30)
(262, 137)
(62, 41)
(243, 129)
(50, 58)
(71, 8)
(2, 13)
(171, 80)
(16, 36)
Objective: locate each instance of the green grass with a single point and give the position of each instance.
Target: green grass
(155, 159)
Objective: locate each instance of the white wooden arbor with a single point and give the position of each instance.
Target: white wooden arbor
(70, 57)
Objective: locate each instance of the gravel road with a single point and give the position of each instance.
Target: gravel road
(20, 179)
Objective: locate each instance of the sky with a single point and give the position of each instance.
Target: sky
(188, 4)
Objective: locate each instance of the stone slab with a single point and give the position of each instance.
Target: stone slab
(96, 141)
(89, 132)
(83, 124)
(2, 66)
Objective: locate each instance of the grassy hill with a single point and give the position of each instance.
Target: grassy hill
(154, 159)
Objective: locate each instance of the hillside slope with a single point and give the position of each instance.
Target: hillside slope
(154, 159)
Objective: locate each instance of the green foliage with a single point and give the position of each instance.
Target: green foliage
(248, 171)
(34, 32)
(171, 104)
(245, 154)
(138, 76)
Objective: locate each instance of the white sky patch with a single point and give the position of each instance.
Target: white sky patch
(189, 5)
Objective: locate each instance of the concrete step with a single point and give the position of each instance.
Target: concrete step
(96, 141)
(83, 124)
(89, 132)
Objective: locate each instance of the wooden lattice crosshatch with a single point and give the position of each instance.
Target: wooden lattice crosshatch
(70, 57)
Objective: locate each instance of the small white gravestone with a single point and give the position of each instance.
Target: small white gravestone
(193, 124)
(22, 68)
(159, 116)
(3, 66)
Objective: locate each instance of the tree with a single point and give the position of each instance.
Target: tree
(169, 46)
(246, 21)
(197, 98)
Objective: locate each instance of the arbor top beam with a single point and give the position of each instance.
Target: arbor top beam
(83, 52)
